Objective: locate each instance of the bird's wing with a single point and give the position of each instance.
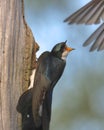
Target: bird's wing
(97, 38)
(46, 112)
(41, 85)
(91, 13)
(38, 96)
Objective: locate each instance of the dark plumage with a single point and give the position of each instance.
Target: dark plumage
(35, 104)
(24, 107)
(91, 13)
(50, 68)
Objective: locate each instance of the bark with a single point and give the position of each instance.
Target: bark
(17, 59)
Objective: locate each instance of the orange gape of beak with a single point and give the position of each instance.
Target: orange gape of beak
(69, 48)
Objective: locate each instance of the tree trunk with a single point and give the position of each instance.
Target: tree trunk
(17, 47)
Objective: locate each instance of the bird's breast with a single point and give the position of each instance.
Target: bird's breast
(55, 68)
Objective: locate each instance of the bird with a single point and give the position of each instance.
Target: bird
(35, 103)
(50, 67)
(91, 13)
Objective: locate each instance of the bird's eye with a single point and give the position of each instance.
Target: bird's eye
(63, 47)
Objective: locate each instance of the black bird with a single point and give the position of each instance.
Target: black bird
(49, 70)
(91, 13)
(35, 104)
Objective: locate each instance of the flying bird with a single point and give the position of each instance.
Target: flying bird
(91, 13)
(35, 104)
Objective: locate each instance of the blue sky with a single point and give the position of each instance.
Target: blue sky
(45, 19)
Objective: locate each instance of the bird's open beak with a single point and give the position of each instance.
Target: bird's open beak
(69, 49)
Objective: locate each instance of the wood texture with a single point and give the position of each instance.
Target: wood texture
(16, 48)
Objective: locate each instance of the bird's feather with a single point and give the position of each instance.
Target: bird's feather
(24, 107)
(35, 104)
(24, 102)
(47, 109)
(47, 74)
(91, 13)
(97, 39)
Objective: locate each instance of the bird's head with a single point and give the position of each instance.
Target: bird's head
(61, 50)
